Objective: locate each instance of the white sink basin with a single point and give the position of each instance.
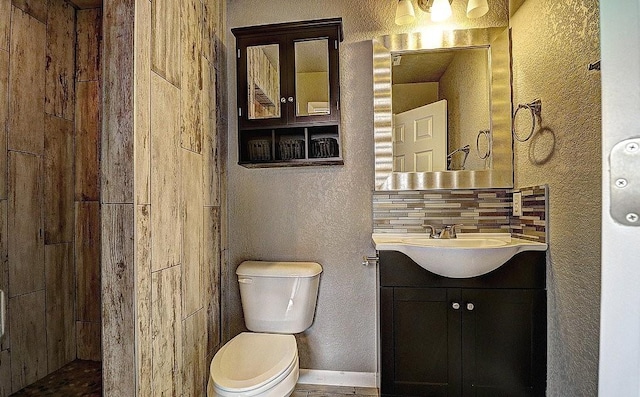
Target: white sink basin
(468, 255)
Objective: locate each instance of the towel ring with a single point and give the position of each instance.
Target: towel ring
(535, 108)
(487, 153)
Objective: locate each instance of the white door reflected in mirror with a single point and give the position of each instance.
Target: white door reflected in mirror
(420, 139)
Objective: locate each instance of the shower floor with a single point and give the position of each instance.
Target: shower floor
(78, 378)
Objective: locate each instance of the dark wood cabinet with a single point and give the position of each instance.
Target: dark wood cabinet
(484, 336)
(421, 338)
(289, 93)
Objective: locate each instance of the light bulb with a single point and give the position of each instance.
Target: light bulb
(440, 10)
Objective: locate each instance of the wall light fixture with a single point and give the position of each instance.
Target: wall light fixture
(440, 10)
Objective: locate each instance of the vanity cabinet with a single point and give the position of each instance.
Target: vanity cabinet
(288, 93)
(482, 336)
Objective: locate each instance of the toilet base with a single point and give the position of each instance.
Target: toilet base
(283, 388)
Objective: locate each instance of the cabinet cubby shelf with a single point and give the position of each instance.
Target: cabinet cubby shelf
(290, 147)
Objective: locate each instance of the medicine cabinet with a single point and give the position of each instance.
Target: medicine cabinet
(288, 93)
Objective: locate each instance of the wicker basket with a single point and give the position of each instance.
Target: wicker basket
(291, 149)
(324, 147)
(259, 150)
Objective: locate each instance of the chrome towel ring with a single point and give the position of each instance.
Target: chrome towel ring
(535, 108)
(487, 136)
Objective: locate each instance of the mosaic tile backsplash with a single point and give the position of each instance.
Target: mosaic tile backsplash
(532, 225)
(479, 211)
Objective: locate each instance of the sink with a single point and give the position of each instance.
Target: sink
(468, 255)
(455, 242)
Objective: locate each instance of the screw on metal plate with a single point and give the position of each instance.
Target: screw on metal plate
(624, 161)
(621, 182)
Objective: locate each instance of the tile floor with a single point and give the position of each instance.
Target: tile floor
(78, 378)
(83, 378)
(333, 391)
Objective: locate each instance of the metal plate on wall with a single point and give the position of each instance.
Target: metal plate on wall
(624, 169)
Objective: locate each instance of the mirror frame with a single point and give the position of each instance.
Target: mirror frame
(501, 173)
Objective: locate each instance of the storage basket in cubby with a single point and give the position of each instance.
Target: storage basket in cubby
(324, 147)
(291, 149)
(259, 150)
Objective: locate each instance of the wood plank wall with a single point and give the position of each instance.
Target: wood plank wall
(87, 183)
(163, 163)
(49, 187)
(5, 29)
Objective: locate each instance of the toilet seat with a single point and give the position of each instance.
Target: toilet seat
(253, 363)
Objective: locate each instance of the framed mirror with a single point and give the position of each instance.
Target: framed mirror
(263, 81)
(312, 77)
(469, 73)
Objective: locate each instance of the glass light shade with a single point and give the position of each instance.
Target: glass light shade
(477, 8)
(405, 13)
(440, 10)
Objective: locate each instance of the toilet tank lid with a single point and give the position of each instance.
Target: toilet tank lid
(278, 269)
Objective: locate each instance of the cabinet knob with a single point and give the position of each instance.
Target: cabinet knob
(283, 100)
(291, 99)
(455, 305)
(470, 306)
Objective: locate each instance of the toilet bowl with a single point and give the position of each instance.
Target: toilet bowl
(278, 300)
(255, 364)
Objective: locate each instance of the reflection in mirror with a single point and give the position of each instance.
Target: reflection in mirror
(440, 104)
(420, 138)
(478, 107)
(312, 77)
(263, 81)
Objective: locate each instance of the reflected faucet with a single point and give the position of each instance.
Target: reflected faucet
(465, 149)
(447, 232)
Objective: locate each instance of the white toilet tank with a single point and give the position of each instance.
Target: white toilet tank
(278, 297)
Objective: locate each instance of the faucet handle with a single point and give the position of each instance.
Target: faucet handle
(452, 229)
(433, 231)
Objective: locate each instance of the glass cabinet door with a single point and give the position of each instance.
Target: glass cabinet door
(312, 77)
(288, 93)
(263, 82)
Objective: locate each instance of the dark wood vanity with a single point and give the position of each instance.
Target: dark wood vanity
(289, 93)
(481, 336)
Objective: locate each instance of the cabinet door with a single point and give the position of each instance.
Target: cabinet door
(313, 76)
(261, 86)
(420, 332)
(503, 342)
(288, 79)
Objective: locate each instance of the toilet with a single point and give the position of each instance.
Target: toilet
(278, 300)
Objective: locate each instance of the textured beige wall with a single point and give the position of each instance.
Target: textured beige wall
(553, 42)
(413, 95)
(465, 85)
(322, 214)
(311, 87)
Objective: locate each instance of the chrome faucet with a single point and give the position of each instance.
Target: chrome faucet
(433, 231)
(447, 232)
